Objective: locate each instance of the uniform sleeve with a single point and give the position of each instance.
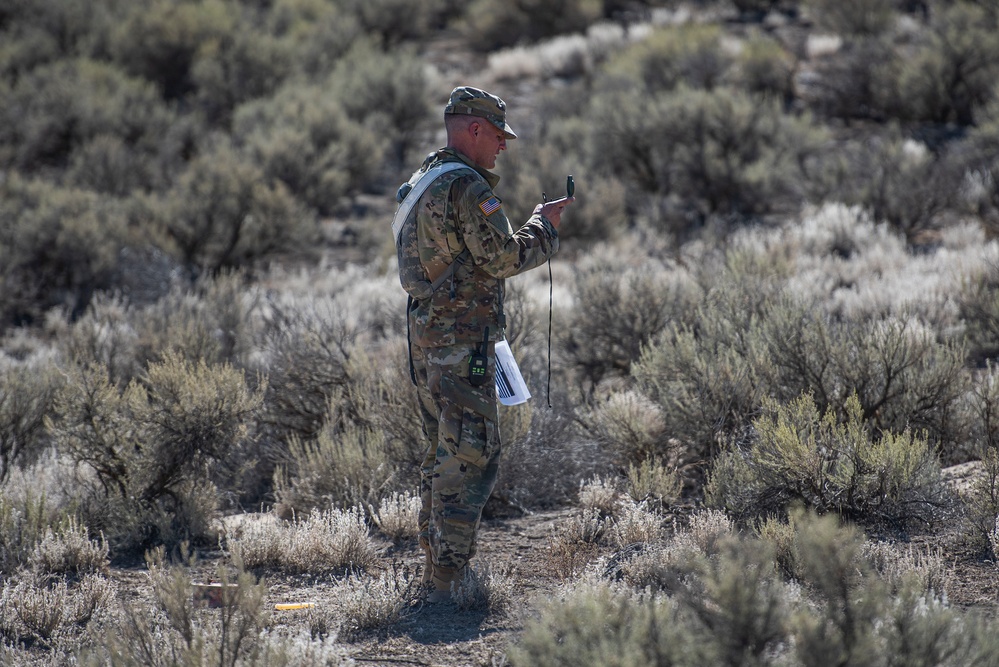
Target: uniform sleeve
(490, 238)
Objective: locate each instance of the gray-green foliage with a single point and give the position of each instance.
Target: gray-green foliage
(487, 25)
(797, 454)
(26, 395)
(724, 603)
(57, 109)
(951, 75)
(304, 137)
(707, 153)
(57, 246)
(154, 446)
(222, 212)
(179, 633)
(744, 342)
(854, 17)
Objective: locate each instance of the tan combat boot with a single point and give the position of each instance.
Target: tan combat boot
(443, 579)
(428, 565)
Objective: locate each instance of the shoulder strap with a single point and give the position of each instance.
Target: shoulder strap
(419, 188)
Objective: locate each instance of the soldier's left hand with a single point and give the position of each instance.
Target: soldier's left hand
(552, 210)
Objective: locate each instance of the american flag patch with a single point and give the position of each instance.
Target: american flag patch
(490, 205)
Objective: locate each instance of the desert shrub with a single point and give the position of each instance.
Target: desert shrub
(108, 165)
(393, 21)
(154, 446)
(573, 543)
(243, 65)
(71, 28)
(486, 588)
(979, 309)
(68, 550)
(308, 350)
(617, 312)
(600, 495)
(707, 153)
(687, 55)
(488, 26)
(900, 182)
(544, 468)
(162, 40)
(597, 624)
(637, 524)
(387, 91)
(345, 465)
(707, 374)
(799, 455)
(178, 633)
(848, 590)
(902, 377)
(396, 516)
(628, 424)
(364, 604)
(26, 395)
(41, 610)
(56, 109)
(654, 482)
(222, 213)
(22, 526)
(854, 17)
(981, 501)
(764, 67)
(317, 34)
(327, 541)
(857, 82)
(57, 247)
(303, 137)
(210, 321)
(950, 75)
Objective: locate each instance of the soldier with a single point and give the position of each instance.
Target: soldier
(462, 247)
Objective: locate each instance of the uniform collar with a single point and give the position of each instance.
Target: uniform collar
(451, 154)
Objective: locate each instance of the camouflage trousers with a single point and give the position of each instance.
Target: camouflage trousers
(459, 469)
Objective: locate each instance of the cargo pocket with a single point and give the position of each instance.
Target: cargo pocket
(477, 434)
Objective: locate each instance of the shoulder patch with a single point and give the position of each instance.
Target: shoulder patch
(490, 206)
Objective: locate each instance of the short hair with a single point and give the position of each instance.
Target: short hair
(455, 123)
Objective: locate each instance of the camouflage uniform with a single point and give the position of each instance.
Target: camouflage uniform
(460, 421)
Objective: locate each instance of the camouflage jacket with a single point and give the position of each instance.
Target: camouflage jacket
(458, 211)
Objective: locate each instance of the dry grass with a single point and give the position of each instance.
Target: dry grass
(329, 541)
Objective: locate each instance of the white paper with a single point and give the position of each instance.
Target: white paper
(510, 386)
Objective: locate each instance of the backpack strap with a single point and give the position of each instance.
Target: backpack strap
(421, 185)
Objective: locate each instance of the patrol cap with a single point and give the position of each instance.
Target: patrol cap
(474, 102)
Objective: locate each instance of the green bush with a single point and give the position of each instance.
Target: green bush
(222, 213)
(860, 81)
(721, 153)
(487, 26)
(854, 17)
(765, 67)
(154, 447)
(383, 92)
(795, 454)
(56, 109)
(304, 137)
(57, 247)
(244, 65)
(952, 72)
(26, 396)
(618, 311)
(687, 55)
(161, 40)
(900, 182)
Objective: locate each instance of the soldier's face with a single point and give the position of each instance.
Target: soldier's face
(489, 142)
